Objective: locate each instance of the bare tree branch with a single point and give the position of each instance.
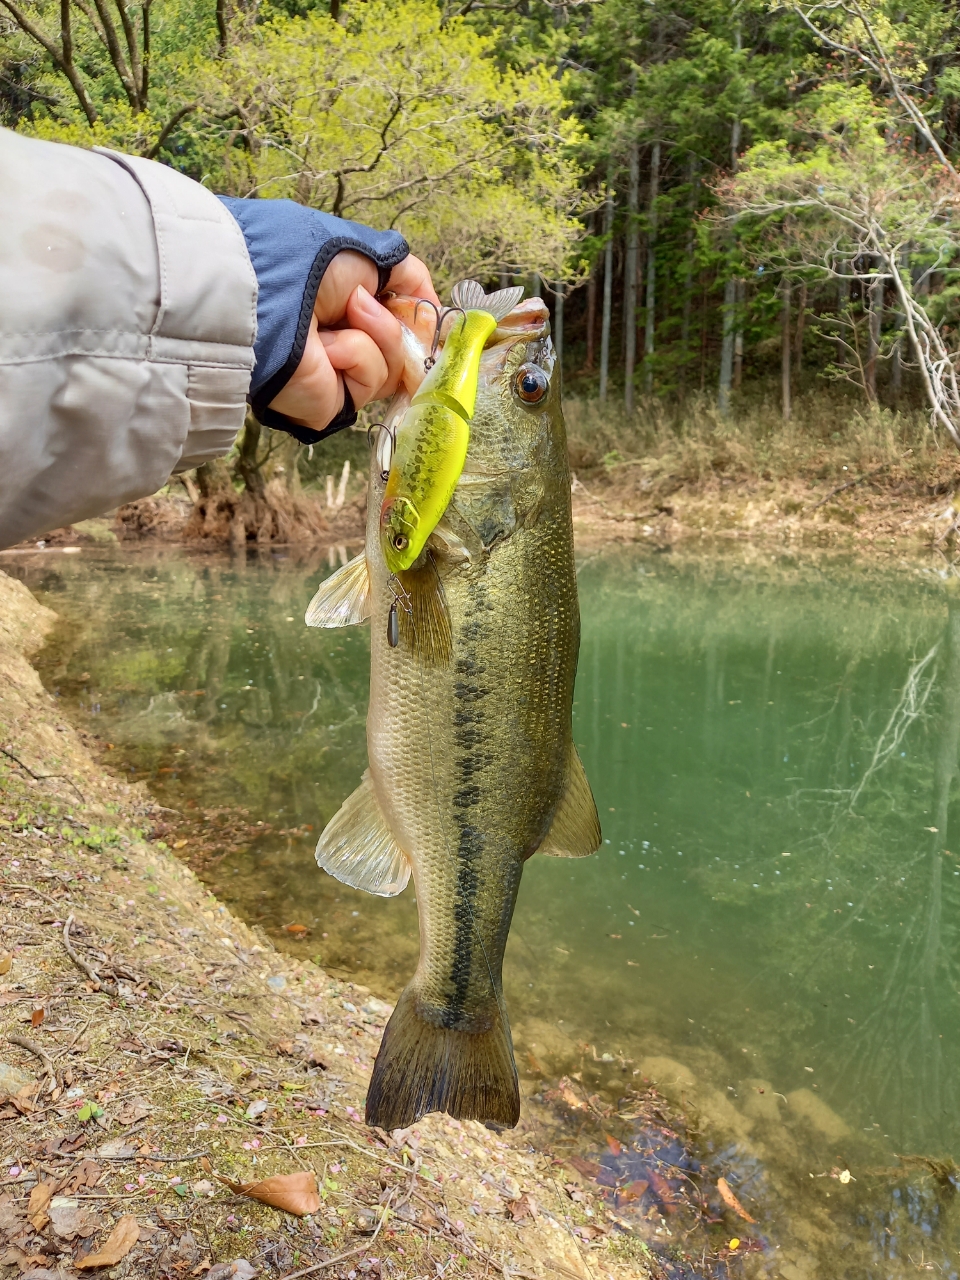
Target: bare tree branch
(880, 65)
(61, 56)
(169, 127)
(115, 52)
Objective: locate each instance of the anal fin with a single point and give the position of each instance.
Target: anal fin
(357, 848)
(575, 832)
(423, 615)
(343, 599)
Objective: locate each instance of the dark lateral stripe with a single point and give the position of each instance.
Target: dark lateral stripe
(469, 693)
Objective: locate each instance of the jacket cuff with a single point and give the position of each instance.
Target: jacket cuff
(291, 247)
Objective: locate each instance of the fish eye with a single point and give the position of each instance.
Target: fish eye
(399, 541)
(531, 383)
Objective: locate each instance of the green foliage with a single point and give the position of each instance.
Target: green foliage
(400, 120)
(487, 134)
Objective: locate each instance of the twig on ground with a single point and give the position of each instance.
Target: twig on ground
(851, 484)
(341, 1257)
(43, 777)
(32, 1047)
(577, 486)
(31, 888)
(109, 987)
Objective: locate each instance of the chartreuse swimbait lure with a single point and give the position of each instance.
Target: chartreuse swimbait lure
(433, 435)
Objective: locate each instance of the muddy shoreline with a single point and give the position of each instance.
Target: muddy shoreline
(874, 515)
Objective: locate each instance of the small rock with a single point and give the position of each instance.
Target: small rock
(240, 1269)
(12, 1079)
(377, 1008)
(256, 1109)
(276, 982)
(350, 1008)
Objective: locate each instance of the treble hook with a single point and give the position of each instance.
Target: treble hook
(431, 359)
(392, 433)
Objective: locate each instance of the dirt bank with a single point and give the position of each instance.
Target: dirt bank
(855, 514)
(153, 1045)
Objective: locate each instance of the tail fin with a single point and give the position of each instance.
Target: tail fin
(422, 1068)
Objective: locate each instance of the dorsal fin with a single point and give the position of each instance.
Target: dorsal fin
(470, 295)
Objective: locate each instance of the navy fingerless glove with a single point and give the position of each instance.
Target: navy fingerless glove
(291, 247)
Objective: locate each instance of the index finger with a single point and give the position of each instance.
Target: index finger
(411, 277)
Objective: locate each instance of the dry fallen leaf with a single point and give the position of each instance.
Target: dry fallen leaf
(39, 1201)
(6, 960)
(87, 1174)
(37, 1017)
(588, 1168)
(24, 1100)
(525, 1207)
(632, 1191)
(731, 1201)
(116, 1246)
(15, 1257)
(69, 1220)
(292, 1192)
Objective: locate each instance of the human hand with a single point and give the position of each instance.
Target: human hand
(354, 342)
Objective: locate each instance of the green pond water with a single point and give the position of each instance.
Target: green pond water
(770, 930)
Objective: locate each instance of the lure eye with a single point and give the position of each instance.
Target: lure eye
(531, 384)
(399, 541)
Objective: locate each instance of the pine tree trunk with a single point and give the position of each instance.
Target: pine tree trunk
(729, 292)
(591, 320)
(651, 326)
(694, 181)
(786, 291)
(738, 338)
(726, 349)
(630, 278)
(607, 291)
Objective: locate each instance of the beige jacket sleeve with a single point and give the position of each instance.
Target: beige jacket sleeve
(128, 312)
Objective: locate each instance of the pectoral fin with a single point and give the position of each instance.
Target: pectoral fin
(357, 849)
(575, 832)
(423, 615)
(344, 598)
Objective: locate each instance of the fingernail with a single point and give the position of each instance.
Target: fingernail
(366, 301)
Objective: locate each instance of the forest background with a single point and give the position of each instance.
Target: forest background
(745, 216)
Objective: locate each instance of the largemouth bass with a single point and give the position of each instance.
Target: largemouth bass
(433, 435)
(472, 763)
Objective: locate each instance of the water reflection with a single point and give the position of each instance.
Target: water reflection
(769, 930)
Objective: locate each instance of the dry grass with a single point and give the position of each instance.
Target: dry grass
(697, 446)
(834, 466)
